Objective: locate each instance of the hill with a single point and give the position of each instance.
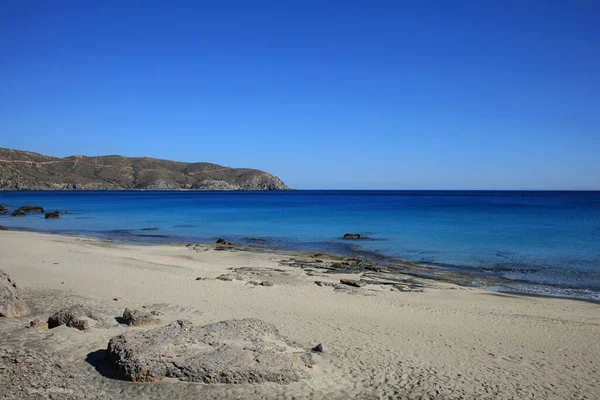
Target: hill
(23, 170)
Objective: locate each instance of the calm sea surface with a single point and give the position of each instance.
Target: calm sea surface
(543, 242)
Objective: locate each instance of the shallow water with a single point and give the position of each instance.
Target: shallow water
(544, 242)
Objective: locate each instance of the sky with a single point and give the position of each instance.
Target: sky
(324, 94)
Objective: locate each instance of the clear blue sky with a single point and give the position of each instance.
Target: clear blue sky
(345, 94)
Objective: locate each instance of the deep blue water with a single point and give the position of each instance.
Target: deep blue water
(545, 242)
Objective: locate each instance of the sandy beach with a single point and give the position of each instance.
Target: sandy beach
(441, 341)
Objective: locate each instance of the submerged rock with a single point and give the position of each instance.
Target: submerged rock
(354, 236)
(10, 303)
(138, 318)
(30, 374)
(233, 352)
(77, 316)
(29, 209)
(18, 213)
(52, 215)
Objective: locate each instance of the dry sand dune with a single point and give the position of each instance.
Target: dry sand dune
(446, 342)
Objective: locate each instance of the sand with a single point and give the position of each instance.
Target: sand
(446, 342)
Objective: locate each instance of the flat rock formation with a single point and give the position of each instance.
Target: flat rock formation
(233, 352)
(33, 374)
(10, 303)
(22, 170)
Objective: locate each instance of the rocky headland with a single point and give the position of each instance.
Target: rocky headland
(23, 170)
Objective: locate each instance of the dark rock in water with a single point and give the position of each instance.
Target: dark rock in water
(29, 209)
(256, 240)
(149, 229)
(232, 352)
(3, 228)
(138, 318)
(18, 213)
(318, 348)
(3, 211)
(30, 374)
(354, 236)
(77, 316)
(352, 282)
(10, 303)
(223, 241)
(52, 215)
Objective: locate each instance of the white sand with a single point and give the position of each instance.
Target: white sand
(448, 342)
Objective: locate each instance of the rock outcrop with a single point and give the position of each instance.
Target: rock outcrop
(138, 318)
(11, 304)
(233, 352)
(22, 170)
(77, 316)
(34, 374)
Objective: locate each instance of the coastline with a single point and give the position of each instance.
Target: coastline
(438, 341)
(467, 276)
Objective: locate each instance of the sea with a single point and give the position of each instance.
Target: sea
(542, 243)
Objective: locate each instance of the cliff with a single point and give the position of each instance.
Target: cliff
(23, 170)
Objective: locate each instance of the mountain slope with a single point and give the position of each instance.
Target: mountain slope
(23, 170)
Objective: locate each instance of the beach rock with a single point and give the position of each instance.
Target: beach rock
(52, 215)
(352, 282)
(232, 352)
(10, 303)
(227, 277)
(138, 318)
(77, 316)
(2, 228)
(266, 283)
(223, 241)
(18, 213)
(318, 348)
(38, 324)
(354, 236)
(35, 374)
(29, 209)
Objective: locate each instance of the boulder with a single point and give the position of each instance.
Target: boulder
(35, 374)
(3, 228)
(10, 303)
(18, 213)
(52, 215)
(354, 236)
(223, 241)
(318, 348)
(29, 209)
(77, 316)
(138, 318)
(232, 352)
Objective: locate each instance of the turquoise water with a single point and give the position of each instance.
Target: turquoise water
(539, 242)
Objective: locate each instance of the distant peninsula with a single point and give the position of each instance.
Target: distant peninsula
(23, 170)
